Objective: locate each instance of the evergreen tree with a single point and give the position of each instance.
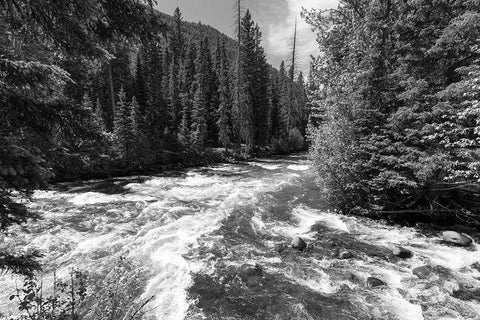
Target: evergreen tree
(188, 88)
(140, 81)
(156, 113)
(274, 95)
(173, 97)
(201, 98)
(98, 116)
(177, 39)
(254, 108)
(123, 126)
(225, 99)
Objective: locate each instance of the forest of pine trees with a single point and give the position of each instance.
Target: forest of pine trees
(184, 89)
(395, 122)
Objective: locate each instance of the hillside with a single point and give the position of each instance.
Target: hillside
(197, 30)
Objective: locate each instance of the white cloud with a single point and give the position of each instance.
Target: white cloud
(279, 37)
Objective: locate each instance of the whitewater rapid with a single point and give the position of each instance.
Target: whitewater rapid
(208, 241)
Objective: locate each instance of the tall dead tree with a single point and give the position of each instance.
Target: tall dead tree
(238, 17)
(291, 72)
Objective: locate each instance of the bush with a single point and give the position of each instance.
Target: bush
(294, 142)
(84, 296)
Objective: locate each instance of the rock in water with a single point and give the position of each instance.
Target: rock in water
(345, 255)
(373, 282)
(298, 243)
(422, 272)
(402, 253)
(280, 247)
(456, 238)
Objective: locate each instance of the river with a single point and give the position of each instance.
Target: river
(211, 243)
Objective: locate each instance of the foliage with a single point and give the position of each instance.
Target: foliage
(395, 127)
(63, 303)
(81, 295)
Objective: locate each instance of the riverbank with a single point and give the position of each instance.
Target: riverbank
(107, 167)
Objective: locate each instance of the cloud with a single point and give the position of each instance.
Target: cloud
(279, 35)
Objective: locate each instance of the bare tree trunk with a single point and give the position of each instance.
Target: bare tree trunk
(237, 96)
(294, 51)
(112, 91)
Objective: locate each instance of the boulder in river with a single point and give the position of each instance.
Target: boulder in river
(402, 253)
(299, 244)
(456, 238)
(373, 282)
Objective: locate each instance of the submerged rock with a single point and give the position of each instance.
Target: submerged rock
(422, 271)
(456, 238)
(402, 253)
(392, 258)
(345, 255)
(280, 247)
(476, 266)
(349, 276)
(250, 270)
(298, 243)
(466, 295)
(373, 282)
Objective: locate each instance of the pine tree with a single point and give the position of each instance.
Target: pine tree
(214, 102)
(98, 116)
(136, 118)
(255, 76)
(173, 97)
(201, 98)
(177, 39)
(274, 115)
(123, 126)
(225, 99)
(188, 89)
(156, 113)
(140, 82)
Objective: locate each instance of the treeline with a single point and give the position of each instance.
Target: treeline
(396, 130)
(183, 95)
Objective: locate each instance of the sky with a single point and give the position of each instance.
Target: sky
(276, 19)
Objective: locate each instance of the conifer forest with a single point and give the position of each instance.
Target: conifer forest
(157, 168)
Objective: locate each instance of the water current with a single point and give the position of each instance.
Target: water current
(213, 243)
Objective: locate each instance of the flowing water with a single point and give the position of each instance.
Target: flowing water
(212, 243)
